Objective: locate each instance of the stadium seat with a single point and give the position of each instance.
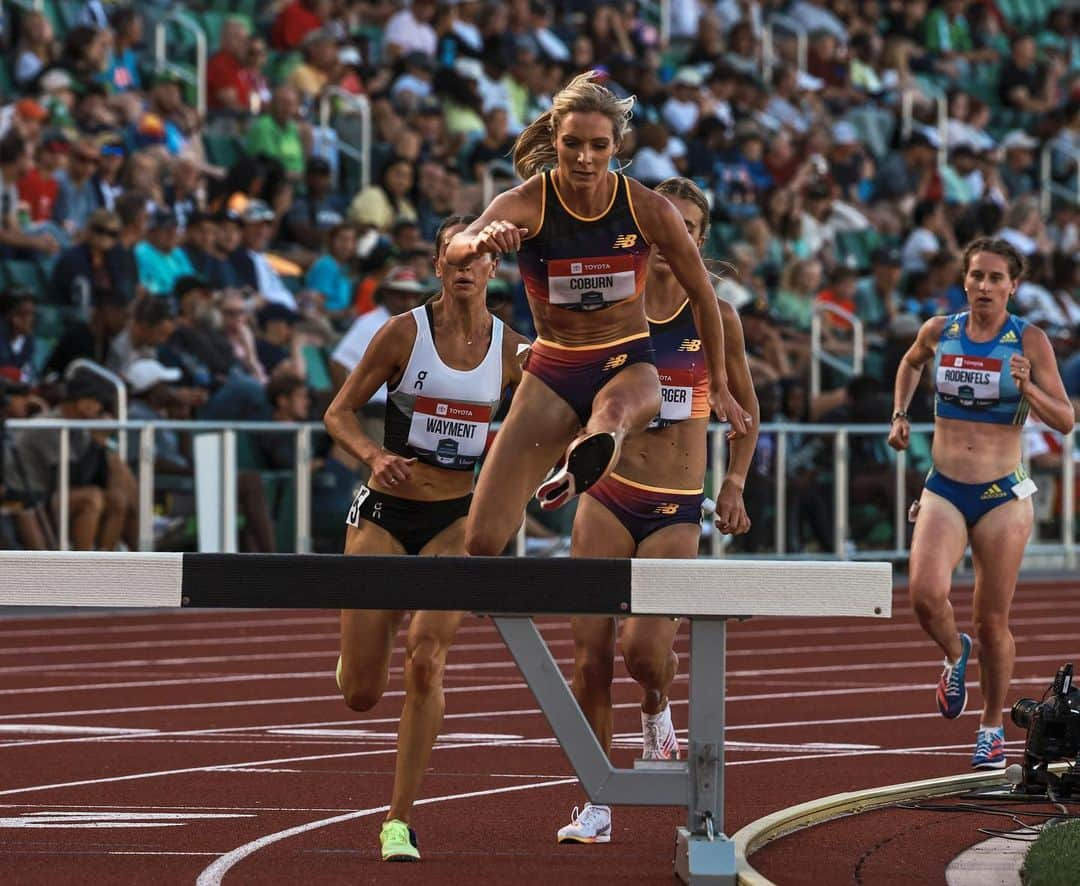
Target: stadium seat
(318, 373)
(223, 150)
(24, 275)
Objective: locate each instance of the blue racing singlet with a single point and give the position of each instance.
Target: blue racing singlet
(972, 381)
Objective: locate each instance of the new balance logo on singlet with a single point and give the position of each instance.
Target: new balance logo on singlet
(668, 510)
(614, 362)
(992, 492)
(625, 241)
(690, 345)
(1009, 338)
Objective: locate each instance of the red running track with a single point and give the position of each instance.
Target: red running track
(205, 746)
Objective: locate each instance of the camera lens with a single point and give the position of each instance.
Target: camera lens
(1023, 711)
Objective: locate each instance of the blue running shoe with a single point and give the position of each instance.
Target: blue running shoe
(989, 748)
(951, 691)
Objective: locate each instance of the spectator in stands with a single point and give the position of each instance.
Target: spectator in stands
(85, 397)
(1018, 167)
(155, 396)
(236, 326)
(227, 87)
(258, 86)
(77, 197)
(110, 314)
(200, 238)
(152, 323)
(380, 205)
(275, 134)
(765, 349)
(437, 191)
(17, 342)
(931, 233)
(319, 66)
(197, 345)
(249, 260)
(277, 341)
(39, 187)
(906, 175)
(315, 212)
(495, 146)
(27, 510)
(332, 276)
(1023, 84)
(160, 259)
(1024, 227)
(186, 192)
(111, 160)
(296, 19)
(123, 72)
(410, 30)
(14, 164)
(877, 296)
(98, 262)
(36, 48)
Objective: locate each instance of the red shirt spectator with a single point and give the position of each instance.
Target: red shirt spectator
(226, 85)
(841, 293)
(293, 24)
(38, 188)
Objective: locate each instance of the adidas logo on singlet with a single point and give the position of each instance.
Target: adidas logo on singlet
(625, 241)
(1009, 338)
(993, 491)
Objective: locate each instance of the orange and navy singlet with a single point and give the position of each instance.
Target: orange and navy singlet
(684, 381)
(585, 264)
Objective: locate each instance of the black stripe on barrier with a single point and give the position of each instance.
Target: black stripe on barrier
(496, 585)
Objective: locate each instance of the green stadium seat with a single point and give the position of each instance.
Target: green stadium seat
(223, 150)
(22, 274)
(318, 372)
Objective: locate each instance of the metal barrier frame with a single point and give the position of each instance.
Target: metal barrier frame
(818, 356)
(1047, 186)
(360, 105)
(178, 16)
(768, 43)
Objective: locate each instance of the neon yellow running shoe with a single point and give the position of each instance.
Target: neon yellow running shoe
(398, 841)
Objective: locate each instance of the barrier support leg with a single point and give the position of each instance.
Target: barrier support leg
(704, 856)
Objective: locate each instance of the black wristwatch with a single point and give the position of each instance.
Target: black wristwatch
(901, 414)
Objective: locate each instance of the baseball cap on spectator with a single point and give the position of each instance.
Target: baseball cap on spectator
(149, 130)
(808, 82)
(1018, 139)
(188, 283)
(469, 68)
(843, 133)
(887, 255)
(257, 212)
(277, 313)
(55, 80)
(228, 215)
(430, 106)
(349, 55)
(55, 141)
(920, 139)
(147, 373)
(402, 279)
(688, 77)
(29, 109)
(162, 218)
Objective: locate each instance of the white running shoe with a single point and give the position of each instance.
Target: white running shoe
(658, 738)
(591, 825)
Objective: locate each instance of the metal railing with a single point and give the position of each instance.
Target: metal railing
(841, 547)
(359, 105)
(907, 117)
(1048, 187)
(768, 42)
(198, 79)
(819, 356)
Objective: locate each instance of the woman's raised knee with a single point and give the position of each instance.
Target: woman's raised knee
(361, 695)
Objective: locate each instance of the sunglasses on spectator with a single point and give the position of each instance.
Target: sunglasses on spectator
(105, 232)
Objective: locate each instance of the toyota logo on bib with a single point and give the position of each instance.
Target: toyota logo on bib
(575, 267)
(440, 409)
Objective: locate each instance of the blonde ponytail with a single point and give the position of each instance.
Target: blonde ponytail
(534, 150)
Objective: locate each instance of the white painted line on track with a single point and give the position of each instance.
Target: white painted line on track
(213, 875)
(48, 729)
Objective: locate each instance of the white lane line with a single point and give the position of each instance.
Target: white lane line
(48, 729)
(217, 767)
(213, 874)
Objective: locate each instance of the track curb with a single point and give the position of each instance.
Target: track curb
(752, 837)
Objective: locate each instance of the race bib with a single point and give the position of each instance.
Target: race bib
(969, 381)
(452, 434)
(676, 394)
(591, 283)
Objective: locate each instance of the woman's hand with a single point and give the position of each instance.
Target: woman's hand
(900, 435)
(498, 237)
(731, 517)
(389, 470)
(1020, 369)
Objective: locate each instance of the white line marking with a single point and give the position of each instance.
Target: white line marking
(213, 874)
(47, 729)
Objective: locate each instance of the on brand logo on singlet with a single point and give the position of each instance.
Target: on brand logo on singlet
(454, 432)
(969, 381)
(591, 282)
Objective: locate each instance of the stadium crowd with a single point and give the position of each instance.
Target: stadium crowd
(228, 265)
